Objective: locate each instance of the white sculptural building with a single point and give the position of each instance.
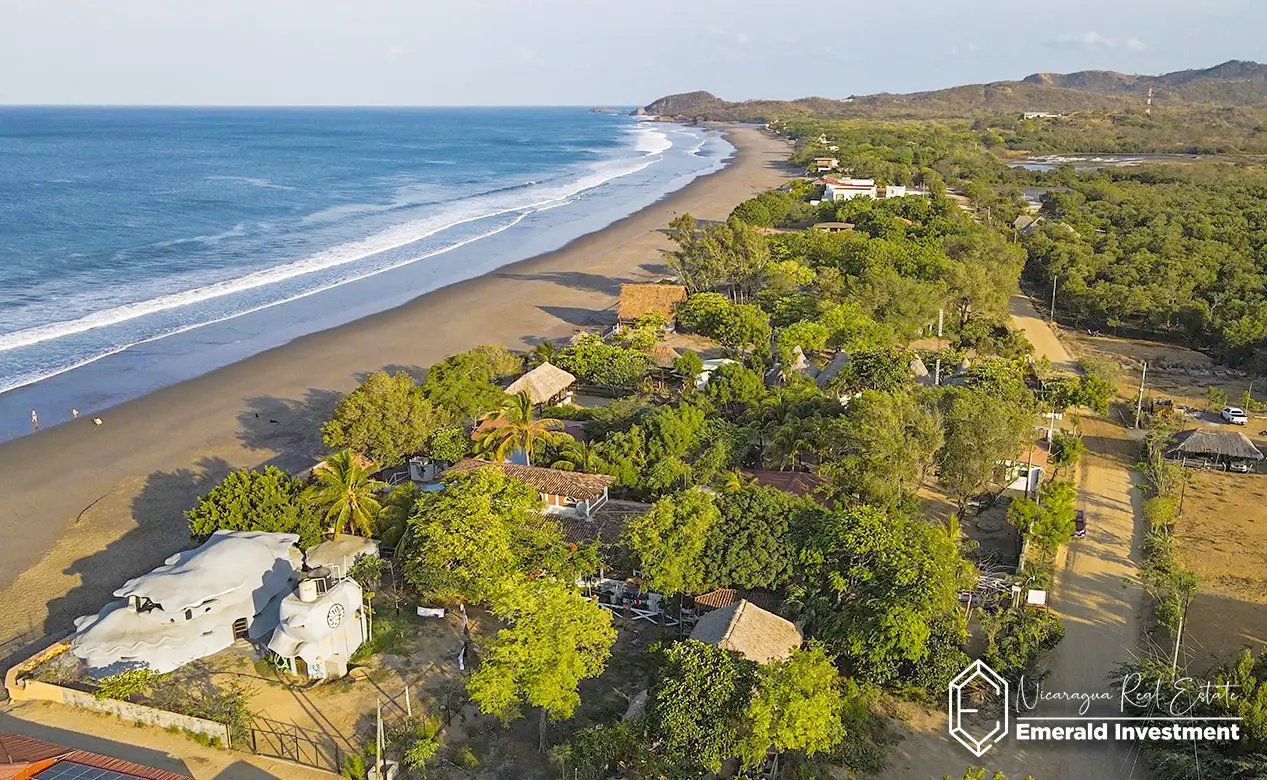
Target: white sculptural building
(237, 585)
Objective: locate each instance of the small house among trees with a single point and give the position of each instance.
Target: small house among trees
(566, 492)
(638, 301)
(1214, 449)
(546, 385)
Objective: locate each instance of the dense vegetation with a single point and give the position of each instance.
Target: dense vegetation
(1180, 252)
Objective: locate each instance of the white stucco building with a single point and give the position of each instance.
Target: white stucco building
(847, 189)
(196, 604)
(321, 625)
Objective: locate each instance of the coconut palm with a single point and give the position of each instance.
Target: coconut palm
(734, 481)
(791, 440)
(545, 352)
(344, 491)
(515, 427)
(578, 456)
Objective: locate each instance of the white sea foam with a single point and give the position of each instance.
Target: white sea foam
(341, 255)
(652, 140)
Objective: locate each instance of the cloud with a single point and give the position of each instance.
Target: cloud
(1094, 40)
(394, 52)
(964, 48)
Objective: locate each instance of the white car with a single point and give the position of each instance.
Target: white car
(1234, 414)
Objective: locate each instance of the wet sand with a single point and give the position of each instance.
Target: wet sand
(84, 507)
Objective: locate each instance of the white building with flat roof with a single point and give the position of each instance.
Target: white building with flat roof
(846, 189)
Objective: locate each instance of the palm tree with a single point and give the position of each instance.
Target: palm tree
(545, 352)
(791, 440)
(734, 481)
(344, 491)
(516, 427)
(578, 456)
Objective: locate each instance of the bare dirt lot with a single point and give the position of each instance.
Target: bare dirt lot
(1223, 540)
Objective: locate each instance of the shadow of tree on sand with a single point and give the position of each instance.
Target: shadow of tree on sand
(160, 530)
(290, 429)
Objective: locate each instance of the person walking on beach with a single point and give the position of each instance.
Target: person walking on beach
(35, 421)
(74, 414)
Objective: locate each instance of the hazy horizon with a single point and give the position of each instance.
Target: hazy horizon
(396, 53)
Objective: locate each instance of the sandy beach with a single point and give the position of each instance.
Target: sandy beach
(85, 507)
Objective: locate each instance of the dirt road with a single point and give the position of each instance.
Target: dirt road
(1096, 598)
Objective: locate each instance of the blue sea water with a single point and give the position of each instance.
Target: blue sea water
(138, 245)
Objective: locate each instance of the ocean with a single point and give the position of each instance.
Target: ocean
(143, 246)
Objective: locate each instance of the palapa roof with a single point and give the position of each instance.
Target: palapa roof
(830, 226)
(639, 299)
(663, 355)
(542, 383)
(554, 482)
(1226, 444)
(751, 631)
(22, 757)
(921, 371)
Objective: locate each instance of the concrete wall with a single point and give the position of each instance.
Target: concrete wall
(22, 688)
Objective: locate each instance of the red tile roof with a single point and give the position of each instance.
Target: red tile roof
(800, 483)
(24, 757)
(552, 482)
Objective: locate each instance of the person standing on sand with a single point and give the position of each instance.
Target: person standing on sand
(35, 421)
(74, 414)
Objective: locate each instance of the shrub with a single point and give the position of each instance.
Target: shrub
(249, 500)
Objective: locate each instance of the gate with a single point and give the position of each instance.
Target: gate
(273, 739)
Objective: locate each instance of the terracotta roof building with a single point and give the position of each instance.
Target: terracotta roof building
(23, 758)
(799, 483)
(749, 630)
(572, 492)
(638, 300)
(545, 384)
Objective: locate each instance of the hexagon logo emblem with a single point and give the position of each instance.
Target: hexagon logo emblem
(978, 707)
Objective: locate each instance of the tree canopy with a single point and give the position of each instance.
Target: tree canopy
(248, 500)
(386, 418)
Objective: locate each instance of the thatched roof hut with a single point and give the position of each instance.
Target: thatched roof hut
(1218, 446)
(663, 356)
(543, 384)
(638, 300)
(749, 630)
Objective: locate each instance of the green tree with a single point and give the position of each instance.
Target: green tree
(553, 639)
(467, 384)
(448, 444)
(796, 706)
(1215, 397)
(386, 417)
(696, 708)
(596, 362)
(464, 538)
(515, 428)
(345, 492)
(1092, 391)
(248, 500)
(886, 370)
(688, 365)
(882, 448)
(1056, 525)
(1066, 449)
(578, 456)
(752, 545)
(982, 432)
(669, 541)
(878, 590)
(732, 384)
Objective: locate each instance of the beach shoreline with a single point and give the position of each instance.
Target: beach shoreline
(87, 507)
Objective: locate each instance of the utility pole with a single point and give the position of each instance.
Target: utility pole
(1139, 402)
(937, 370)
(1052, 313)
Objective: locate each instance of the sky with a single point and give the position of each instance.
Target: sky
(583, 52)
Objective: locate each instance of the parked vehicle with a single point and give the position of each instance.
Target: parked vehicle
(1079, 524)
(1234, 415)
(1240, 466)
